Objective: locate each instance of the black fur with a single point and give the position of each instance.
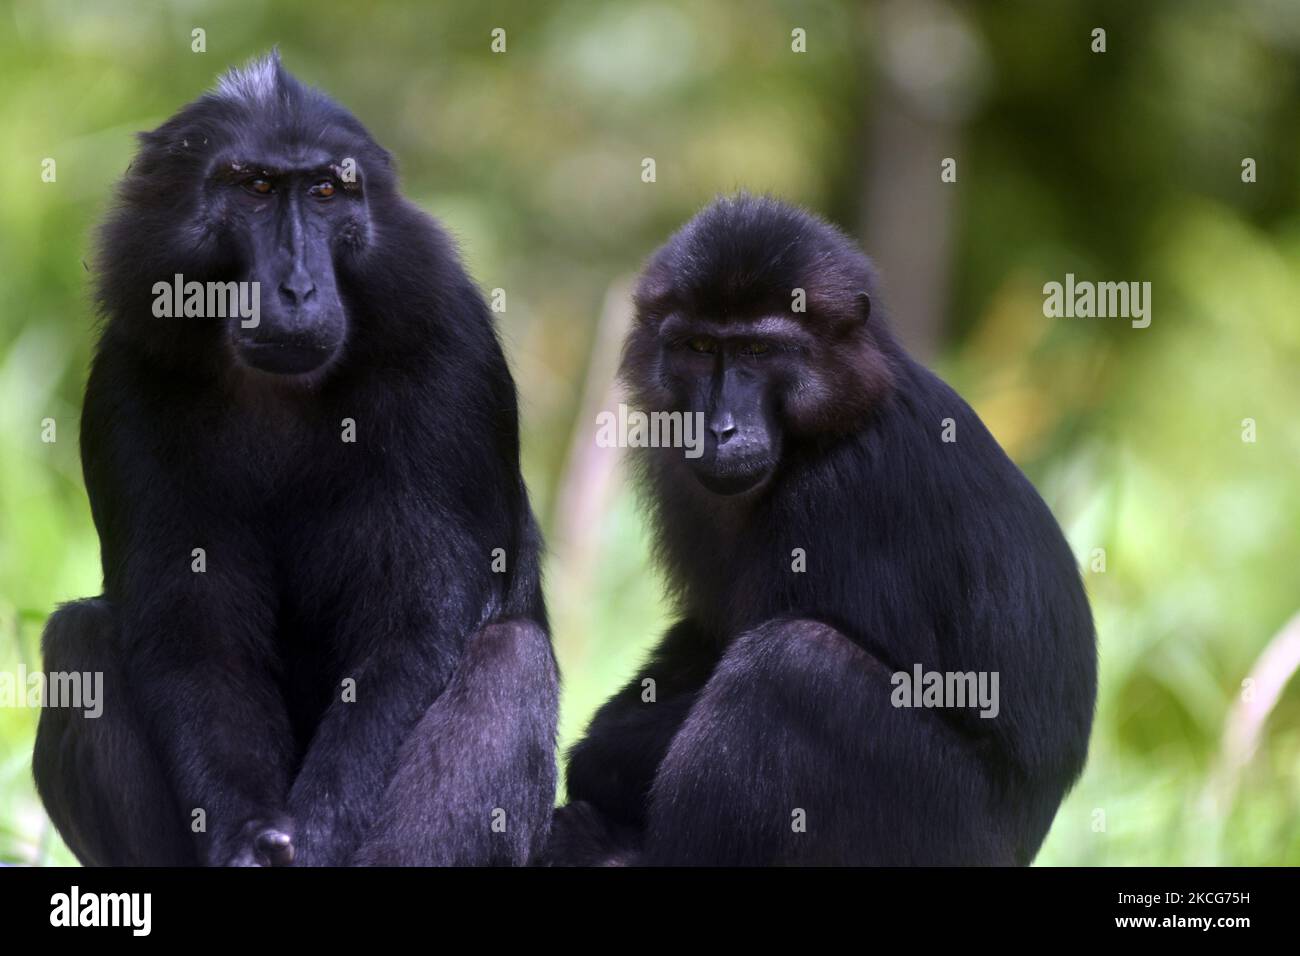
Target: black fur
(773, 692)
(325, 560)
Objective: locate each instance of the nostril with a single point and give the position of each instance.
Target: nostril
(723, 432)
(296, 293)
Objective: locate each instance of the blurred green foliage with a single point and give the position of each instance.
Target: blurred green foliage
(1124, 165)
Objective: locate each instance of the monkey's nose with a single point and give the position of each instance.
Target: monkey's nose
(723, 427)
(296, 290)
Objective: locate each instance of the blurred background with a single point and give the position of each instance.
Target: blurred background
(1124, 165)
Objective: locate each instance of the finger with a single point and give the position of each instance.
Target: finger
(274, 848)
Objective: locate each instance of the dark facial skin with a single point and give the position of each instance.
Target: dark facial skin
(287, 219)
(734, 375)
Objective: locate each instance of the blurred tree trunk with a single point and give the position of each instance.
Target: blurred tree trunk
(927, 60)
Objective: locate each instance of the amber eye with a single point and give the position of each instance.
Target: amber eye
(754, 348)
(323, 189)
(702, 344)
(260, 186)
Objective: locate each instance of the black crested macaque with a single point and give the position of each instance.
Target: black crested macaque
(850, 525)
(322, 631)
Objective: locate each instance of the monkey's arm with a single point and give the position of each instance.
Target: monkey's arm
(194, 606)
(199, 663)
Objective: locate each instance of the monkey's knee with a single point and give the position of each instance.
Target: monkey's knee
(781, 670)
(76, 650)
(94, 770)
(512, 661)
(788, 647)
(79, 634)
(515, 642)
(475, 778)
(78, 660)
(797, 679)
(517, 660)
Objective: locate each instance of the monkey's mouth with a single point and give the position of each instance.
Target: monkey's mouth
(729, 477)
(286, 356)
(291, 345)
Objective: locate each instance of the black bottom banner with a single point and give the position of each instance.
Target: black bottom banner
(211, 906)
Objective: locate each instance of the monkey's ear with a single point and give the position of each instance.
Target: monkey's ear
(864, 306)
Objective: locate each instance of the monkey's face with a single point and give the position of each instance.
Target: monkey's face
(733, 379)
(756, 317)
(290, 223)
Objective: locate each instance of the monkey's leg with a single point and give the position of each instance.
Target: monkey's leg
(795, 754)
(99, 778)
(611, 769)
(474, 782)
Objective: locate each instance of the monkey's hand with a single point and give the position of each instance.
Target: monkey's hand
(256, 843)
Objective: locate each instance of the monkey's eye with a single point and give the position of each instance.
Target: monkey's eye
(259, 186)
(755, 348)
(323, 189)
(702, 344)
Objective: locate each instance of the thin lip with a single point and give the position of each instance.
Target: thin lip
(283, 346)
(751, 466)
(313, 357)
(755, 477)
